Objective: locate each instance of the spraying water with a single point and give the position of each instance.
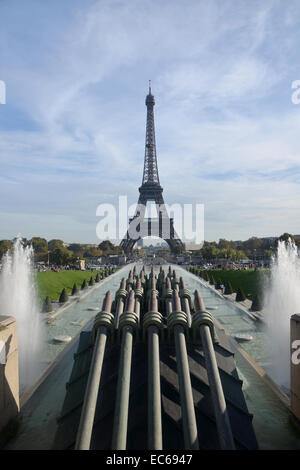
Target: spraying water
(282, 300)
(18, 299)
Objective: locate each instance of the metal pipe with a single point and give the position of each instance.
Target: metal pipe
(120, 303)
(217, 394)
(168, 299)
(190, 431)
(154, 393)
(185, 303)
(137, 302)
(84, 433)
(123, 386)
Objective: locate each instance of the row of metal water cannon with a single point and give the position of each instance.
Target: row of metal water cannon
(136, 311)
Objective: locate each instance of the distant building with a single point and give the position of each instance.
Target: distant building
(94, 260)
(80, 264)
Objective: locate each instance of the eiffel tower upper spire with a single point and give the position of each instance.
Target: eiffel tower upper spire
(150, 174)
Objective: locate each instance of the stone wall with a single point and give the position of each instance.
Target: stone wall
(9, 370)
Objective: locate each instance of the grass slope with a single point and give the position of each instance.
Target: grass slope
(249, 280)
(51, 283)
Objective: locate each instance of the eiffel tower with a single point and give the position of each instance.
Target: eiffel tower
(151, 190)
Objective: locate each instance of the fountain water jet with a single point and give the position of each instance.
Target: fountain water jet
(18, 299)
(282, 299)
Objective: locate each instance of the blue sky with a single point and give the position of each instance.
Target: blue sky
(72, 130)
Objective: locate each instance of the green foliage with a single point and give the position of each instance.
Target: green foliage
(40, 245)
(218, 284)
(51, 283)
(84, 285)
(240, 295)
(92, 251)
(248, 280)
(252, 244)
(106, 245)
(256, 304)
(54, 244)
(234, 251)
(97, 278)
(228, 288)
(91, 282)
(209, 252)
(5, 245)
(47, 306)
(63, 296)
(212, 280)
(61, 256)
(285, 237)
(77, 250)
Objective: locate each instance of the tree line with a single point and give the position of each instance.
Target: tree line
(253, 248)
(58, 253)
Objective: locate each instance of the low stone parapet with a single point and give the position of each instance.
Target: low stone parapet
(9, 371)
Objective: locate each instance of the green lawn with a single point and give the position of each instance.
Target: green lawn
(51, 283)
(249, 280)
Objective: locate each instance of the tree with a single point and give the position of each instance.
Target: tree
(92, 251)
(106, 245)
(256, 304)
(225, 244)
(228, 288)
(5, 245)
(54, 244)
(240, 254)
(47, 305)
(268, 253)
(61, 256)
(240, 295)
(84, 285)
(209, 252)
(252, 244)
(63, 296)
(40, 245)
(76, 247)
(92, 282)
(75, 289)
(285, 238)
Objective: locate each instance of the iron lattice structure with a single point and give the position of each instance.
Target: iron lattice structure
(151, 190)
(150, 174)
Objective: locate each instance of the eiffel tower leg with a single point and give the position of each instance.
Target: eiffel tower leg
(128, 242)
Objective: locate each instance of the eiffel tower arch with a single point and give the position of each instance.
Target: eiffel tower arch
(151, 190)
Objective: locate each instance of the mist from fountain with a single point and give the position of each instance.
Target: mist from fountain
(282, 299)
(18, 299)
